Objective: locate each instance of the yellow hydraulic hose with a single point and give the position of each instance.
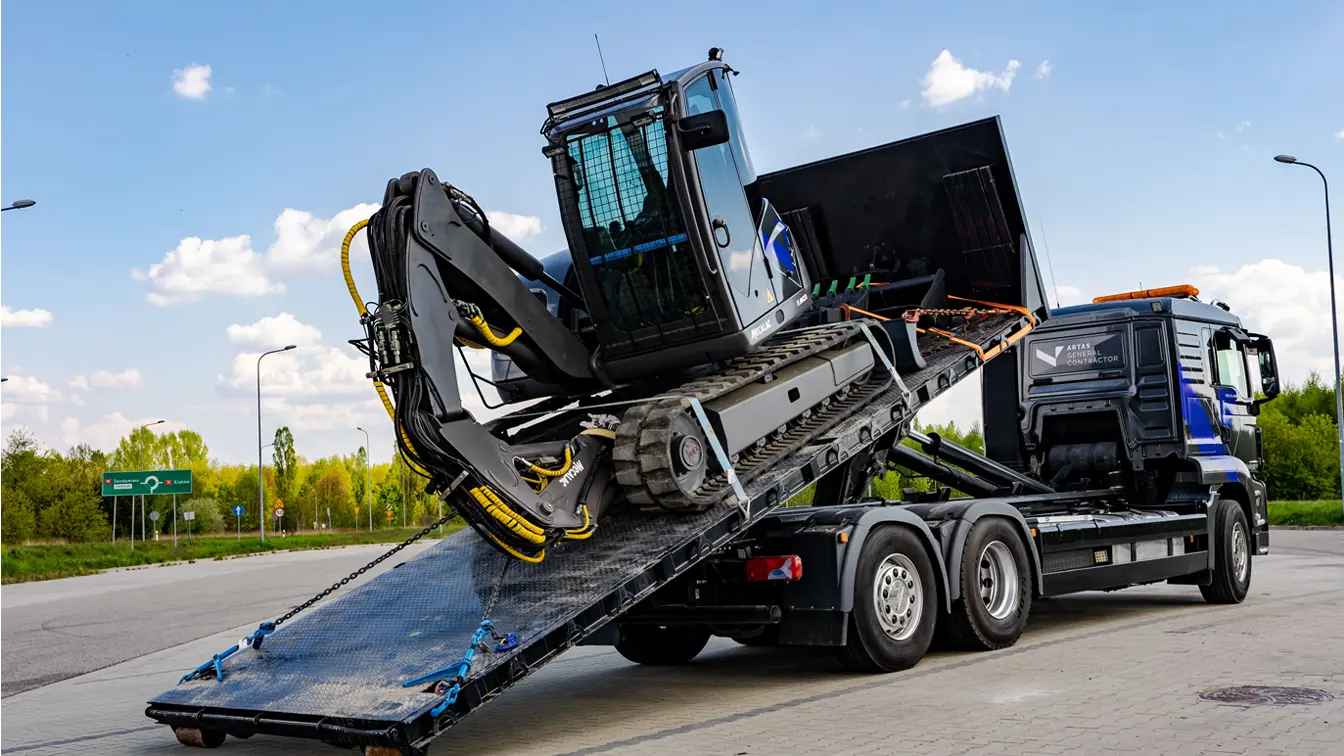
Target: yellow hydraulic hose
(363, 311)
(579, 534)
(489, 334)
(543, 472)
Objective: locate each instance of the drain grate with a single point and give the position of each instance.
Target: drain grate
(1272, 695)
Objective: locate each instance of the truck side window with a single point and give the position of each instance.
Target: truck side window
(1231, 364)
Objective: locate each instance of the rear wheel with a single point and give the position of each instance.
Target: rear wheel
(995, 588)
(655, 645)
(895, 604)
(1231, 555)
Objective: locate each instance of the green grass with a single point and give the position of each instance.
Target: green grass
(21, 564)
(1327, 512)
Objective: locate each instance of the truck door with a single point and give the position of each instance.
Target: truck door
(1232, 387)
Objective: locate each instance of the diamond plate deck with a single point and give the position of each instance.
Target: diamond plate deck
(336, 672)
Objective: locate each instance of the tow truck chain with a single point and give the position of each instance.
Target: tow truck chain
(254, 640)
(912, 316)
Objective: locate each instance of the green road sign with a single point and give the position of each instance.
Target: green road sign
(146, 482)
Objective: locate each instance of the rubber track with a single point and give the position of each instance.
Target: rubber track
(644, 466)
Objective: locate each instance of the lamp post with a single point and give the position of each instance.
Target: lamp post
(368, 479)
(1334, 314)
(18, 205)
(261, 477)
(142, 496)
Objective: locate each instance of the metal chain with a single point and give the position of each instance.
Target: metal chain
(442, 520)
(494, 594)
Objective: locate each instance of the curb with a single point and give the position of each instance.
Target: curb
(1306, 527)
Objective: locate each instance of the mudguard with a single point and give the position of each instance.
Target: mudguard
(888, 516)
(1221, 468)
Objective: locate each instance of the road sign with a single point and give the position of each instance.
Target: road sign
(279, 512)
(146, 482)
(389, 514)
(154, 516)
(188, 515)
(237, 510)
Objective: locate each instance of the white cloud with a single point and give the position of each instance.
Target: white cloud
(308, 374)
(192, 82)
(1044, 69)
(516, 227)
(25, 389)
(905, 104)
(1243, 125)
(128, 378)
(305, 243)
(1287, 303)
(949, 81)
(196, 268)
(11, 318)
(1069, 295)
(275, 332)
(1339, 134)
(1220, 135)
(108, 432)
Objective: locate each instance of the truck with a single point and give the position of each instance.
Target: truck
(713, 384)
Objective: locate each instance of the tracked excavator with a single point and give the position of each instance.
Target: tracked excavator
(695, 335)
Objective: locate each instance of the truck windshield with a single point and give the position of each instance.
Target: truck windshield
(633, 234)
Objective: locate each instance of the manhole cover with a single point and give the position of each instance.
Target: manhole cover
(1265, 694)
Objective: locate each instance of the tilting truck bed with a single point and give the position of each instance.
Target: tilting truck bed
(336, 673)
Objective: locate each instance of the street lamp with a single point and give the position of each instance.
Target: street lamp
(368, 478)
(261, 477)
(1334, 315)
(18, 205)
(142, 496)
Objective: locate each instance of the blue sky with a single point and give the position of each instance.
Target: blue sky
(1143, 153)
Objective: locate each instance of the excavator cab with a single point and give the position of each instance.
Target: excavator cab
(677, 267)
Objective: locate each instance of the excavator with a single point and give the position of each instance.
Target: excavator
(695, 333)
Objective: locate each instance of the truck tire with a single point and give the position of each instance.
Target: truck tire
(655, 645)
(1231, 555)
(895, 603)
(995, 588)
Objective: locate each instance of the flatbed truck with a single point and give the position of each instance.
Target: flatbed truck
(1120, 449)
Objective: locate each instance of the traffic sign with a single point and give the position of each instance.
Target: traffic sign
(237, 510)
(188, 515)
(146, 482)
(279, 512)
(154, 516)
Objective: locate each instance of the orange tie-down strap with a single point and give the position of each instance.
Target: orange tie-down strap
(986, 354)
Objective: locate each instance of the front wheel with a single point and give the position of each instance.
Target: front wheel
(1231, 555)
(656, 645)
(895, 604)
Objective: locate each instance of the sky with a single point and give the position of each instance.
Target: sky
(196, 165)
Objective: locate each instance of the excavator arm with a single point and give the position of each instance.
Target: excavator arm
(447, 280)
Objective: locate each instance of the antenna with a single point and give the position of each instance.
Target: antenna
(604, 61)
(1054, 283)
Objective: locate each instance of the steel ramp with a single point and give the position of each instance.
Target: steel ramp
(335, 673)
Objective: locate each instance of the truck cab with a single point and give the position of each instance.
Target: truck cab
(1152, 391)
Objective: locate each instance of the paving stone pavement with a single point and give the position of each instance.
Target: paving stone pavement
(1104, 674)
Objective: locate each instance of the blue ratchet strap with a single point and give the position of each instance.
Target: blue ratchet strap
(451, 677)
(216, 663)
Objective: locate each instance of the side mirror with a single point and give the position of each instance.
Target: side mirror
(1269, 367)
(703, 130)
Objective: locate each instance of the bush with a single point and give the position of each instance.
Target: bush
(19, 524)
(76, 517)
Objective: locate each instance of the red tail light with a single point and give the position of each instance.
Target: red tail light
(762, 569)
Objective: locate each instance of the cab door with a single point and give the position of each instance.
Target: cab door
(1234, 396)
(732, 227)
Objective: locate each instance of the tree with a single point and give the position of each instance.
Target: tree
(285, 465)
(332, 493)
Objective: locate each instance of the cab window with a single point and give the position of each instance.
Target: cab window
(1231, 360)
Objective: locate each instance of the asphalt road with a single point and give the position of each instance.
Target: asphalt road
(57, 629)
(1113, 674)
